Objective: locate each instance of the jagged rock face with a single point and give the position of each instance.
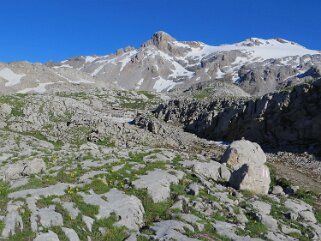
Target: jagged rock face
(280, 119)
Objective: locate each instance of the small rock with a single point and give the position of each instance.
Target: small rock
(287, 230)
(270, 222)
(71, 234)
(50, 236)
(193, 189)
(308, 216)
(224, 173)
(88, 221)
(291, 190)
(209, 170)
(291, 215)
(277, 190)
(262, 207)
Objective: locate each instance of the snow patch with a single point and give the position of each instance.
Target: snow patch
(126, 60)
(11, 77)
(267, 49)
(90, 59)
(139, 83)
(81, 81)
(40, 89)
(96, 71)
(163, 84)
(63, 66)
(219, 74)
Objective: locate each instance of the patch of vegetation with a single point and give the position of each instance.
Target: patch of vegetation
(115, 233)
(208, 233)
(4, 191)
(45, 201)
(137, 104)
(277, 211)
(74, 223)
(176, 162)
(299, 237)
(99, 186)
(202, 94)
(219, 217)
(78, 134)
(148, 94)
(137, 157)
(26, 233)
(142, 238)
(75, 95)
(16, 102)
(318, 216)
(140, 104)
(85, 208)
(106, 142)
(153, 211)
(306, 196)
(60, 233)
(255, 228)
(2, 225)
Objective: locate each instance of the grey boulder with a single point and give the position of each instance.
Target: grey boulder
(247, 159)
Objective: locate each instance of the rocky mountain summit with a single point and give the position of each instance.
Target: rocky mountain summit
(254, 66)
(258, 66)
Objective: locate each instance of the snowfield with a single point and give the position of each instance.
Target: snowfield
(11, 77)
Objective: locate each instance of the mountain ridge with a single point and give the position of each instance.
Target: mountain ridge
(161, 64)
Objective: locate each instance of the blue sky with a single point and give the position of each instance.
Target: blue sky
(42, 30)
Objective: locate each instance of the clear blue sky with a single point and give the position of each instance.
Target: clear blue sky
(42, 30)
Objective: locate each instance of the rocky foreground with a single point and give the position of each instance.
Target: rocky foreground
(77, 166)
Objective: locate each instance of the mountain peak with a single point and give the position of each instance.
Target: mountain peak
(160, 39)
(162, 36)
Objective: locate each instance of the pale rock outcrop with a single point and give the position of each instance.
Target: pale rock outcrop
(12, 220)
(129, 209)
(247, 159)
(50, 236)
(24, 168)
(158, 183)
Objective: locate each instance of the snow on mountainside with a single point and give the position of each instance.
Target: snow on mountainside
(162, 63)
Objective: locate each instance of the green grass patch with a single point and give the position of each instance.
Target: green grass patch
(318, 215)
(16, 102)
(255, 229)
(153, 211)
(86, 209)
(106, 141)
(114, 233)
(99, 186)
(208, 233)
(4, 191)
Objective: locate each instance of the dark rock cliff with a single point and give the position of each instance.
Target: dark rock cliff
(279, 120)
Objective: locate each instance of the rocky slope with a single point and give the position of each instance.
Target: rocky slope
(257, 66)
(288, 120)
(74, 166)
